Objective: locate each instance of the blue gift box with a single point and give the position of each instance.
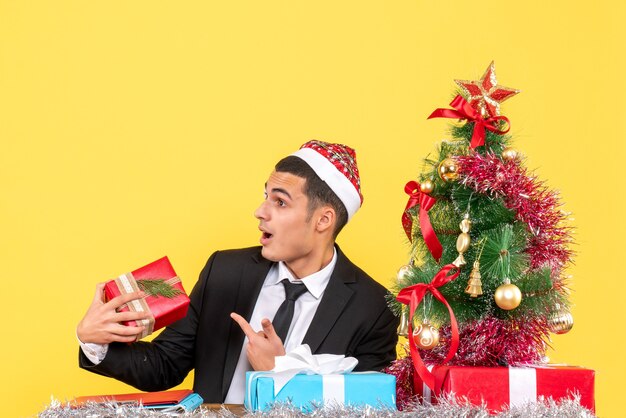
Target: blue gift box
(307, 391)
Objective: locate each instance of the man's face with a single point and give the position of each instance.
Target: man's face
(287, 232)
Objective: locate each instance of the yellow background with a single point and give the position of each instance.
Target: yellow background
(133, 130)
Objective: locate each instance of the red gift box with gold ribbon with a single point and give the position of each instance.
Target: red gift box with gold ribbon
(502, 387)
(166, 299)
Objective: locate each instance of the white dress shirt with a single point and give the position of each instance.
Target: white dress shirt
(272, 295)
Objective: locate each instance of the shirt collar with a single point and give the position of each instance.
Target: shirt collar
(315, 283)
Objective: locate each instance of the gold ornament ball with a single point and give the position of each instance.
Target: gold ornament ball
(561, 322)
(403, 272)
(508, 296)
(426, 336)
(509, 154)
(427, 187)
(448, 170)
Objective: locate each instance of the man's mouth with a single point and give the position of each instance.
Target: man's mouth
(265, 237)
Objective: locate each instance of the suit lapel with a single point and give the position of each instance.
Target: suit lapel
(250, 283)
(336, 296)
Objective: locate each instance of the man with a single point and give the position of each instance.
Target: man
(335, 308)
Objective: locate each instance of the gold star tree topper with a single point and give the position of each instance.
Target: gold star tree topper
(485, 95)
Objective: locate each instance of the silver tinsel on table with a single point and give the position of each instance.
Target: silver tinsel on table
(447, 408)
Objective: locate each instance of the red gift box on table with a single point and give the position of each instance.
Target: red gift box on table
(502, 387)
(166, 299)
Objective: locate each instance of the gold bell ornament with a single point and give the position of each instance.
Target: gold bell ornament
(463, 241)
(448, 170)
(474, 284)
(401, 277)
(508, 296)
(403, 328)
(561, 321)
(426, 336)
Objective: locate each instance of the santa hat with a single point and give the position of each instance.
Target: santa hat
(335, 164)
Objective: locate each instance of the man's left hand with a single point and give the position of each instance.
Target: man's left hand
(263, 345)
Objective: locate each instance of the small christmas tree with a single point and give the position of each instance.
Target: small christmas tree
(485, 284)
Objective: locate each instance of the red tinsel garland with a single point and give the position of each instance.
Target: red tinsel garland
(495, 342)
(533, 203)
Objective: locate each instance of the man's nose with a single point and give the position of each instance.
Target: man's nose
(261, 212)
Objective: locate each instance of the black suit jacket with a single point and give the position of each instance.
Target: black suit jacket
(352, 319)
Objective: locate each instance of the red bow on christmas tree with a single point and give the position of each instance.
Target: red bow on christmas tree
(425, 202)
(463, 110)
(412, 296)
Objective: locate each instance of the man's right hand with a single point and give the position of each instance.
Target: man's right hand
(102, 323)
(263, 346)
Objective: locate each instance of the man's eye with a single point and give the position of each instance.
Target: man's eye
(280, 202)
(265, 195)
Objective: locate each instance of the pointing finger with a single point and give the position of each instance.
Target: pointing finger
(243, 324)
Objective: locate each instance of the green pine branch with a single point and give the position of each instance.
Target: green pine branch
(504, 254)
(158, 287)
(485, 212)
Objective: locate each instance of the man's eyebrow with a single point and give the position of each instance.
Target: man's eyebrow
(281, 190)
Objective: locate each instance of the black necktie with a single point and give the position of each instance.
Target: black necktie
(284, 314)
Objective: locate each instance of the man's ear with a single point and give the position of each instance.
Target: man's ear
(326, 219)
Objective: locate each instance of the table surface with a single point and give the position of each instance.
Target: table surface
(236, 409)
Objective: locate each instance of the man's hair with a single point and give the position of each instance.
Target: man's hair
(315, 189)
